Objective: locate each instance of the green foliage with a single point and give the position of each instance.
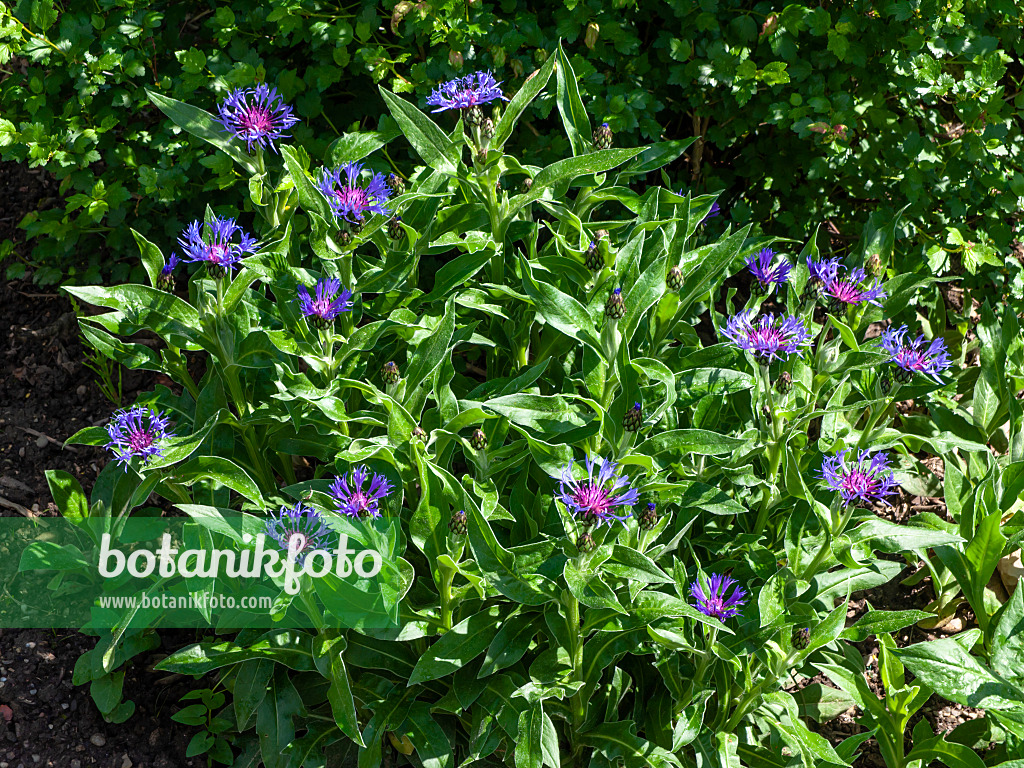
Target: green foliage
(527, 635)
(805, 114)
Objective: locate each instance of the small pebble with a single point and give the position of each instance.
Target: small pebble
(64, 705)
(98, 739)
(81, 390)
(32, 691)
(30, 645)
(76, 764)
(126, 762)
(41, 443)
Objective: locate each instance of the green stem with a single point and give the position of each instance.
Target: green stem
(572, 606)
(446, 599)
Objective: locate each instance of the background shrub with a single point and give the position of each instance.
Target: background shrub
(807, 115)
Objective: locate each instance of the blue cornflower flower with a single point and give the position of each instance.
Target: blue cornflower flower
(464, 92)
(331, 300)
(715, 210)
(822, 270)
(592, 501)
(219, 254)
(849, 290)
(771, 338)
(862, 481)
(130, 437)
(714, 602)
(913, 357)
(256, 116)
(300, 529)
(348, 199)
(165, 280)
(768, 272)
(354, 501)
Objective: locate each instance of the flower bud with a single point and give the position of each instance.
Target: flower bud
(903, 376)
(527, 185)
(165, 282)
(395, 231)
(478, 440)
(455, 59)
(784, 383)
(633, 419)
(649, 517)
(585, 543)
(674, 279)
(472, 116)
(481, 156)
(603, 136)
(390, 372)
(216, 271)
(344, 237)
(615, 308)
(419, 434)
(801, 638)
(458, 525)
(593, 260)
(590, 36)
(396, 184)
(874, 265)
(487, 129)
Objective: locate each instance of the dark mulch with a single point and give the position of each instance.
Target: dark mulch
(47, 395)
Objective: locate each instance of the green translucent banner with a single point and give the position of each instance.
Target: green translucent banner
(216, 568)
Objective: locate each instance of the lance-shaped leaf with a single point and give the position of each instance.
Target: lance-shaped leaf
(534, 85)
(429, 141)
(458, 646)
(203, 125)
(570, 106)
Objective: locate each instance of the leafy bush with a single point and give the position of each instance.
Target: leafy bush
(571, 318)
(804, 114)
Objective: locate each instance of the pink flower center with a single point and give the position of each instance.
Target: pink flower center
(911, 358)
(139, 441)
(297, 541)
(592, 500)
(256, 120)
(352, 196)
(847, 292)
(216, 252)
(857, 482)
(766, 336)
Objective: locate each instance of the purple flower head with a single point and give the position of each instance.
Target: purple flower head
(331, 300)
(862, 481)
(715, 602)
(463, 92)
(354, 501)
(300, 529)
(216, 250)
(715, 210)
(822, 271)
(131, 437)
(593, 500)
(913, 356)
(770, 338)
(763, 266)
(168, 268)
(850, 290)
(256, 116)
(348, 199)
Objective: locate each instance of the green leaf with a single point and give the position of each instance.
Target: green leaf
(509, 644)
(310, 197)
(274, 723)
(882, 622)
(286, 647)
(328, 656)
(68, 495)
(203, 125)
(569, 169)
(537, 741)
(498, 566)
(250, 689)
(534, 85)
(616, 741)
(570, 106)
(429, 141)
(432, 745)
(694, 441)
(458, 646)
